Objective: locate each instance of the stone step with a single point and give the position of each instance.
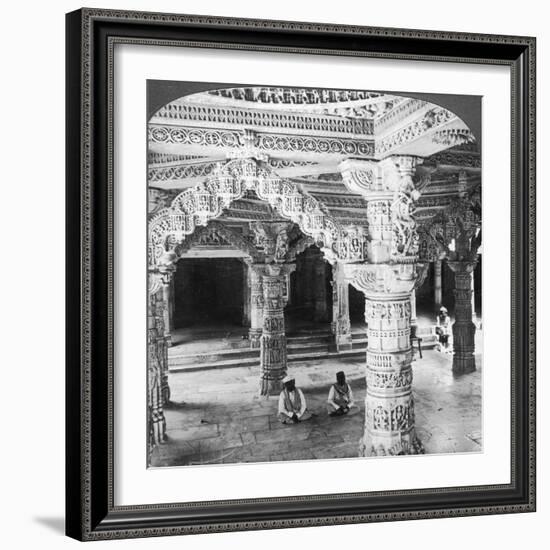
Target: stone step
(299, 348)
(293, 349)
(357, 351)
(300, 351)
(220, 357)
(252, 361)
(292, 343)
(224, 363)
(327, 354)
(192, 358)
(310, 338)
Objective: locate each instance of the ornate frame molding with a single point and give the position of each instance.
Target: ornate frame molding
(91, 35)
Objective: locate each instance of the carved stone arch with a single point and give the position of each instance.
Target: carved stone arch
(219, 229)
(228, 182)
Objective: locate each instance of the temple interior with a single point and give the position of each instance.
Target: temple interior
(302, 233)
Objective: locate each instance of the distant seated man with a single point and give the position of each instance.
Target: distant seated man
(292, 403)
(443, 330)
(340, 397)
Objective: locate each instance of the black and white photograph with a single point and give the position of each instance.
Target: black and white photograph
(271, 275)
(315, 279)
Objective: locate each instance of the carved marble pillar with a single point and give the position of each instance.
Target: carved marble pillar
(166, 299)
(389, 401)
(157, 364)
(256, 304)
(341, 326)
(320, 313)
(463, 328)
(387, 282)
(474, 317)
(438, 287)
(273, 339)
(273, 351)
(163, 305)
(246, 296)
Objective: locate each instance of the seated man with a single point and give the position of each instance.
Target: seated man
(340, 397)
(443, 329)
(292, 403)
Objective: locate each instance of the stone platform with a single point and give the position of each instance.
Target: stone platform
(217, 416)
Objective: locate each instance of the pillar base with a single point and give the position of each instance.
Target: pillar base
(270, 387)
(463, 365)
(391, 444)
(343, 342)
(158, 428)
(464, 347)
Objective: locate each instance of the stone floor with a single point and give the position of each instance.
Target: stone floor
(217, 417)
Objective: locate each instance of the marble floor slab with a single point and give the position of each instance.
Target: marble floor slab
(216, 416)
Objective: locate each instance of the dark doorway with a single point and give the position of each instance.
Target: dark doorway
(311, 289)
(208, 291)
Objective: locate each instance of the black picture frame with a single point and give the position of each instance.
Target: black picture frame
(90, 511)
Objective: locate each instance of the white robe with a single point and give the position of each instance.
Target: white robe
(333, 406)
(282, 406)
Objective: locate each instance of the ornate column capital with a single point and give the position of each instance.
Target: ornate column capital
(397, 171)
(280, 269)
(462, 266)
(405, 164)
(272, 238)
(380, 280)
(394, 173)
(273, 270)
(255, 267)
(361, 176)
(389, 189)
